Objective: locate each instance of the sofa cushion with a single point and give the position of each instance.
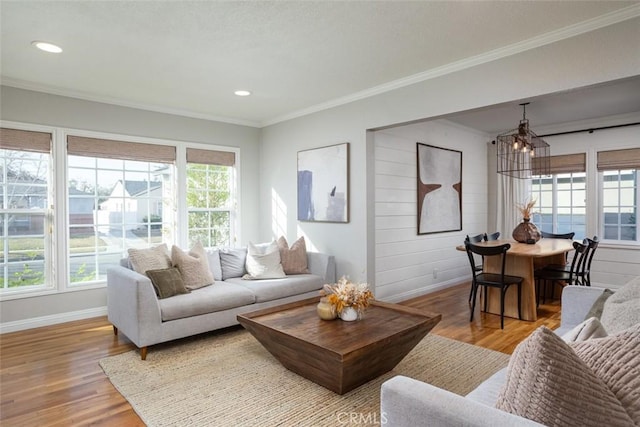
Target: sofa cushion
(294, 258)
(232, 262)
(214, 263)
(622, 309)
(210, 299)
(487, 392)
(598, 305)
(263, 262)
(150, 258)
(167, 282)
(590, 328)
(271, 289)
(616, 360)
(548, 383)
(193, 266)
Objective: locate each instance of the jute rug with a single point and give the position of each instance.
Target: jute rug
(229, 379)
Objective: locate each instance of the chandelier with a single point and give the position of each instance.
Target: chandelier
(522, 153)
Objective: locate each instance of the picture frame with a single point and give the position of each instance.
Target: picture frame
(439, 189)
(323, 184)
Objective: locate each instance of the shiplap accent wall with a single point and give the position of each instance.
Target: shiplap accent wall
(404, 260)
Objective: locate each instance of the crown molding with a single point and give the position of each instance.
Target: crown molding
(54, 90)
(583, 27)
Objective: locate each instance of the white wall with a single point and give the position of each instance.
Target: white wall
(408, 264)
(588, 59)
(34, 107)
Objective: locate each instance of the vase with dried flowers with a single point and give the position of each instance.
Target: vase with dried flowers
(526, 231)
(349, 299)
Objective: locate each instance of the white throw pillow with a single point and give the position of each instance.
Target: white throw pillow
(590, 328)
(263, 262)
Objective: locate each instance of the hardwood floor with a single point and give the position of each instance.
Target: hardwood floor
(50, 376)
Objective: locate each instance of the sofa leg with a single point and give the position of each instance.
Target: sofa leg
(143, 353)
(115, 331)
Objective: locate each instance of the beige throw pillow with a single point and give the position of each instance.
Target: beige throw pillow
(294, 258)
(548, 383)
(193, 266)
(616, 361)
(167, 282)
(150, 258)
(622, 309)
(590, 328)
(263, 262)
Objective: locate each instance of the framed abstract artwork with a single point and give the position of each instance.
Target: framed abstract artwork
(323, 184)
(439, 189)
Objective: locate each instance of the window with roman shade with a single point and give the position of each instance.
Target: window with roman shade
(210, 196)
(25, 210)
(618, 172)
(120, 195)
(561, 196)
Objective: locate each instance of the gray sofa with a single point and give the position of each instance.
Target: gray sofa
(135, 310)
(408, 402)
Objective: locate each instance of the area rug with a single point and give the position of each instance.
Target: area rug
(229, 379)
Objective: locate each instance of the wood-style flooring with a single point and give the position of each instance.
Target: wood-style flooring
(50, 376)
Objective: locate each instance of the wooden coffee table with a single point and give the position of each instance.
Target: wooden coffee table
(339, 355)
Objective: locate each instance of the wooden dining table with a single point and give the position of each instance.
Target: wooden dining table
(522, 260)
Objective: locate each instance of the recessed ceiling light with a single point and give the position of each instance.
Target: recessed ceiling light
(242, 93)
(47, 47)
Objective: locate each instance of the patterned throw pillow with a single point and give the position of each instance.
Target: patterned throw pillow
(294, 258)
(548, 383)
(150, 258)
(616, 361)
(167, 282)
(193, 266)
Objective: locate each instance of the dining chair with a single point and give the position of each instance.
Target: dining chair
(474, 239)
(545, 275)
(557, 236)
(492, 236)
(583, 275)
(494, 280)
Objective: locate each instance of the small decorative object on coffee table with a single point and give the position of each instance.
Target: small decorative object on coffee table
(349, 299)
(326, 310)
(526, 232)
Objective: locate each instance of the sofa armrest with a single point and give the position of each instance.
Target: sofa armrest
(132, 306)
(323, 265)
(408, 402)
(576, 303)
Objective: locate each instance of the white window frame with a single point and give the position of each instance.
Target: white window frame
(600, 224)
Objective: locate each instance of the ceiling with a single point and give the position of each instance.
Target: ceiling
(295, 57)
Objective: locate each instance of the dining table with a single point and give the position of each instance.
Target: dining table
(522, 259)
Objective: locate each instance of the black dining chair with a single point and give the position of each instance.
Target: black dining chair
(474, 239)
(572, 277)
(492, 236)
(494, 280)
(583, 273)
(557, 236)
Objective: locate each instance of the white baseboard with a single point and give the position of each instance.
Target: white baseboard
(427, 289)
(54, 319)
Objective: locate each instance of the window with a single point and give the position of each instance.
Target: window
(113, 195)
(561, 197)
(210, 199)
(25, 174)
(619, 194)
(119, 197)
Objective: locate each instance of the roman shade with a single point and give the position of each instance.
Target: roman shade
(211, 157)
(111, 149)
(25, 140)
(562, 164)
(619, 159)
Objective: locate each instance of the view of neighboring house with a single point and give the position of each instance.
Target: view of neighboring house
(131, 203)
